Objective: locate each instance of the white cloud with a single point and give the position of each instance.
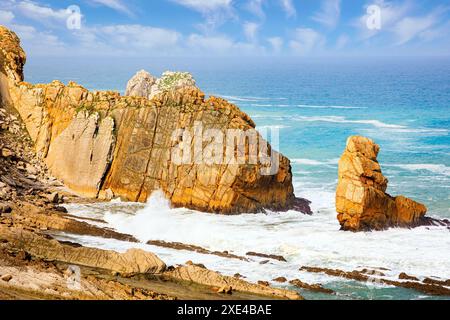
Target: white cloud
(117, 5)
(6, 17)
(221, 45)
(256, 7)
(43, 14)
(402, 26)
(251, 30)
(329, 13)
(138, 36)
(205, 6)
(288, 7)
(38, 43)
(306, 40)
(276, 43)
(214, 11)
(390, 14)
(410, 27)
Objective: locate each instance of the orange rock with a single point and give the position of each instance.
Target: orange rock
(98, 141)
(361, 199)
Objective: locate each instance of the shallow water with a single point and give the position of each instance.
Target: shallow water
(402, 104)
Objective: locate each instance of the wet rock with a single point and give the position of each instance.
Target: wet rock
(213, 279)
(269, 256)
(280, 279)
(361, 199)
(431, 288)
(264, 283)
(404, 276)
(188, 247)
(311, 287)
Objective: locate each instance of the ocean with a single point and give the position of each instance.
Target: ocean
(403, 104)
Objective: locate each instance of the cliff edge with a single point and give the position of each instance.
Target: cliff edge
(101, 144)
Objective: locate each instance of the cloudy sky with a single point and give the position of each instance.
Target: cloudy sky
(230, 27)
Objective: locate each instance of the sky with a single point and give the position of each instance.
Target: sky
(237, 28)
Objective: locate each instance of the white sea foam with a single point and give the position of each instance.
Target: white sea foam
(280, 126)
(339, 119)
(302, 240)
(440, 169)
(250, 99)
(311, 162)
(327, 107)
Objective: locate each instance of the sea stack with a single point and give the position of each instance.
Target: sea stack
(361, 199)
(101, 143)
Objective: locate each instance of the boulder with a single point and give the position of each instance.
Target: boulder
(140, 85)
(361, 199)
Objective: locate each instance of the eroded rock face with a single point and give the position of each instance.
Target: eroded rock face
(100, 143)
(143, 84)
(140, 85)
(361, 199)
(133, 262)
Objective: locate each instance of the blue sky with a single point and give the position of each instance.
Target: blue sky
(231, 27)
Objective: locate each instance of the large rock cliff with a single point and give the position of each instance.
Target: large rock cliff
(361, 198)
(101, 144)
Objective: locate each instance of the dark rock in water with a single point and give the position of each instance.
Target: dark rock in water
(311, 287)
(431, 288)
(268, 256)
(280, 279)
(404, 276)
(189, 247)
(264, 283)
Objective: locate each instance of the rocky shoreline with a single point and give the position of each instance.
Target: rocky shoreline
(63, 144)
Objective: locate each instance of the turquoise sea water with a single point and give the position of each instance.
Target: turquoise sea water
(403, 104)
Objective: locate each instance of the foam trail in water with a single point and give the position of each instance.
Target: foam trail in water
(339, 119)
(328, 107)
(440, 169)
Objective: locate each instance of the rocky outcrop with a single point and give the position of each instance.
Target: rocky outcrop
(361, 199)
(133, 262)
(102, 144)
(143, 84)
(200, 275)
(140, 85)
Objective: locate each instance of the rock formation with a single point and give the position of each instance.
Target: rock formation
(102, 144)
(200, 275)
(140, 85)
(361, 199)
(133, 262)
(143, 84)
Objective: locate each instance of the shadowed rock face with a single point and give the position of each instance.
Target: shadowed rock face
(361, 198)
(101, 144)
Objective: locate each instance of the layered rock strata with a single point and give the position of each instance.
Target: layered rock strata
(361, 199)
(101, 144)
